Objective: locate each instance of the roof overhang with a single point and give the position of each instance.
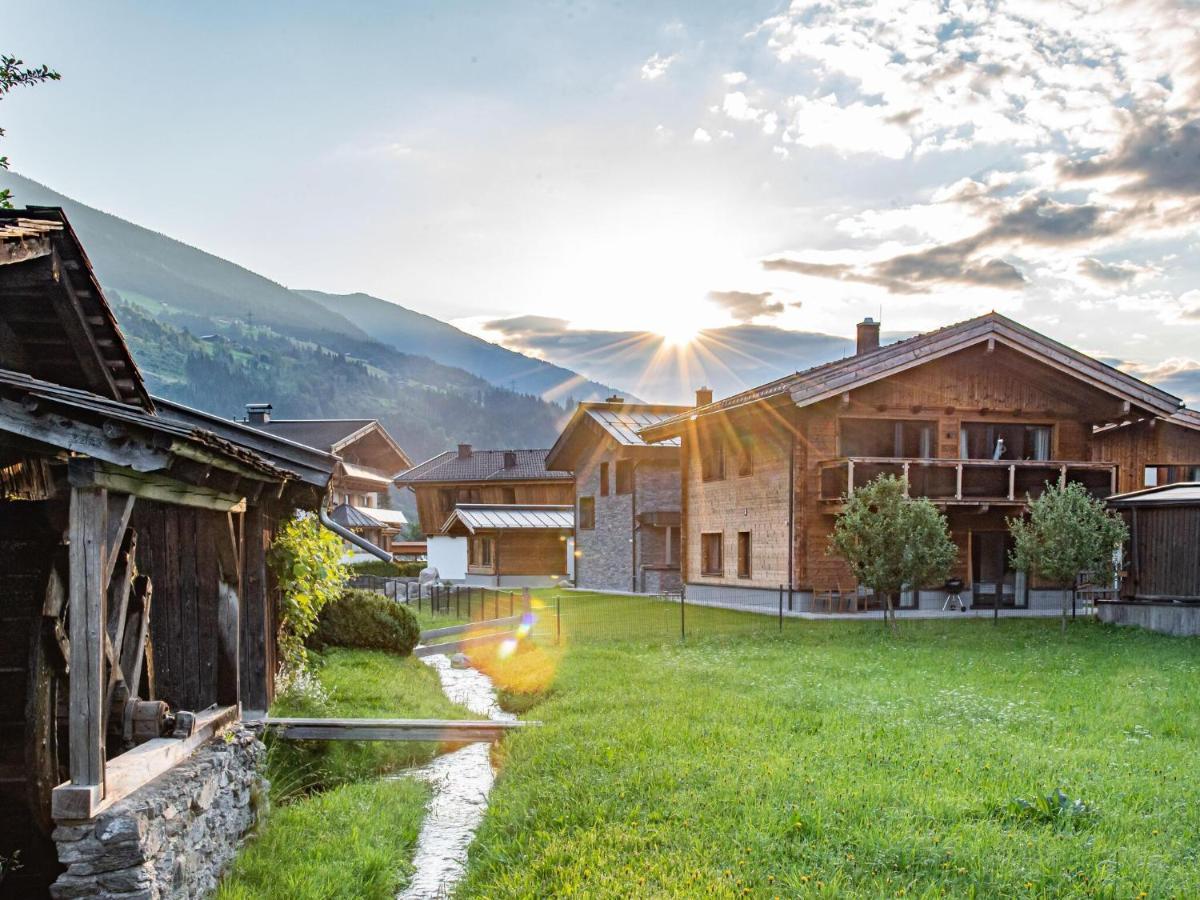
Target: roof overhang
(467, 518)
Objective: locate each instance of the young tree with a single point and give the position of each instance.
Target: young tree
(1067, 531)
(891, 540)
(14, 73)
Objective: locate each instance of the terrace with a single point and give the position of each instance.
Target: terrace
(964, 481)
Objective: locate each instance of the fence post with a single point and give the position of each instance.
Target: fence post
(557, 619)
(457, 602)
(781, 607)
(682, 618)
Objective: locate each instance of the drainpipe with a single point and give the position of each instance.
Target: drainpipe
(357, 540)
(633, 527)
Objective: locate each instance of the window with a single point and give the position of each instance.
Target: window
(743, 554)
(482, 551)
(624, 476)
(712, 459)
(745, 462)
(445, 500)
(889, 438)
(1157, 475)
(587, 513)
(1004, 440)
(711, 562)
(603, 479)
(467, 495)
(508, 495)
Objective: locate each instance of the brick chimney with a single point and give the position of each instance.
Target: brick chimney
(464, 451)
(615, 399)
(703, 396)
(258, 413)
(510, 459)
(868, 336)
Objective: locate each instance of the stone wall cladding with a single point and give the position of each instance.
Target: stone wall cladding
(173, 837)
(605, 561)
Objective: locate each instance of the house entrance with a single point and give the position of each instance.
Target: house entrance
(993, 579)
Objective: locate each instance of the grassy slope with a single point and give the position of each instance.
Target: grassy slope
(355, 839)
(835, 759)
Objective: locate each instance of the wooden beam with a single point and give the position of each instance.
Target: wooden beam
(255, 670)
(433, 730)
(69, 307)
(149, 486)
(120, 508)
(135, 768)
(79, 437)
(88, 533)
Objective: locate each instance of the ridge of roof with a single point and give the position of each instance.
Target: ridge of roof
(481, 465)
(991, 323)
(596, 410)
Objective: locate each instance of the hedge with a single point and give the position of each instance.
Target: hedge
(369, 621)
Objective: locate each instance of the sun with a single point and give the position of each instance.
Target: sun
(677, 334)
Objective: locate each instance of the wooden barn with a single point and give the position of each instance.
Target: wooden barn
(138, 611)
(452, 488)
(977, 417)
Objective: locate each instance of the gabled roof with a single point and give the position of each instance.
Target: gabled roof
(332, 435)
(55, 323)
(1183, 493)
(621, 422)
(473, 517)
(833, 378)
(481, 465)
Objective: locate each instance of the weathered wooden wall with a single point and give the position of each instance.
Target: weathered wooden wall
(1147, 443)
(1166, 553)
(530, 553)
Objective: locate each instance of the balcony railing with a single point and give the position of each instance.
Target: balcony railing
(966, 480)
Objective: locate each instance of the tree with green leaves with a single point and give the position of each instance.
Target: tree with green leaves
(892, 541)
(14, 73)
(1065, 532)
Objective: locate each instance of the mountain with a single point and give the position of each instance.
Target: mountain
(215, 335)
(414, 332)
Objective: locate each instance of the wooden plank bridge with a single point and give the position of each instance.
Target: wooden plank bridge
(454, 731)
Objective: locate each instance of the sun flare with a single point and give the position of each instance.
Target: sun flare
(678, 334)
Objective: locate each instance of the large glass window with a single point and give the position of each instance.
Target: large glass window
(1004, 440)
(889, 438)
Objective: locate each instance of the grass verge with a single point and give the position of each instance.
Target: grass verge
(835, 760)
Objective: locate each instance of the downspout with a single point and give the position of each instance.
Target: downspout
(357, 540)
(633, 526)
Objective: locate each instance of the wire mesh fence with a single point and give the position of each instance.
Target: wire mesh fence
(437, 603)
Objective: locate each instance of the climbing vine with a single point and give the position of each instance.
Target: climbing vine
(306, 559)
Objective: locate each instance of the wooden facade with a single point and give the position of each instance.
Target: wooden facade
(1163, 564)
(976, 417)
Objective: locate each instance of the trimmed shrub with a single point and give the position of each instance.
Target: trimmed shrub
(407, 569)
(369, 621)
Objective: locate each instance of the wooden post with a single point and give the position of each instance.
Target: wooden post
(526, 600)
(254, 670)
(1012, 482)
(850, 478)
(89, 542)
(958, 481)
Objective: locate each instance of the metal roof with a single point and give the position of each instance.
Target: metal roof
(481, 465)
(323, 434)
(387, 517)
(624, 422)
(352, 517)
(362, 473)
(1178, 494)
(475, 517)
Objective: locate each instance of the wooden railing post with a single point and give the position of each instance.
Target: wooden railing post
(1012, 482)
(89, 540)
(849, 478)
(906, 478)
(958, 469)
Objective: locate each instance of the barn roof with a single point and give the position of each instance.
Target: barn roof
(483, 517)
(618, 421)
(55, 322)
(469, 464)
(1184, 493)
(833, 378)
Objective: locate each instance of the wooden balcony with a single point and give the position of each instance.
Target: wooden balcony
(966, 481)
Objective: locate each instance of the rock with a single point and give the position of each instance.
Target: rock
(460, 661)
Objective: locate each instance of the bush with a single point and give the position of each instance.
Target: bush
(368, 621)
(408, 569)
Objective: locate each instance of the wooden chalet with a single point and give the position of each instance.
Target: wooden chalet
(137, 611)
(626, 496)
(494, 517)
(368, 459)
(976, 417)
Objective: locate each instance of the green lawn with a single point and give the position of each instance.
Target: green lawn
(337, 829)
(834, 759)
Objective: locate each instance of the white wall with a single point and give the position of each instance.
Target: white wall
(449, 556)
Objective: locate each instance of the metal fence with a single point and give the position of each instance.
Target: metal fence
(457, 602)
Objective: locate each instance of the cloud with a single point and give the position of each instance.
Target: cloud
(700, 136)
(1112, 273)
(656, 66)
(734, 78)
(1161, 157)
(744, 306)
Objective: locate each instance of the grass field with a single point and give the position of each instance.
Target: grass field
(836, 760)
(356, 835)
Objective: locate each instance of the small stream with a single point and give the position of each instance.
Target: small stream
(461, 781)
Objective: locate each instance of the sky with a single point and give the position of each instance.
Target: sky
(653, 192)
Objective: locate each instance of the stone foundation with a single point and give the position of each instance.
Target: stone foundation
(173, 837)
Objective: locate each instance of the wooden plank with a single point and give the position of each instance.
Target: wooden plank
(431, 633)
(88, 542)
(463, 644)
(68, 305)
(440, 730)
(151, 487)
(253, 666)
(120, 507)
(135, 768)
